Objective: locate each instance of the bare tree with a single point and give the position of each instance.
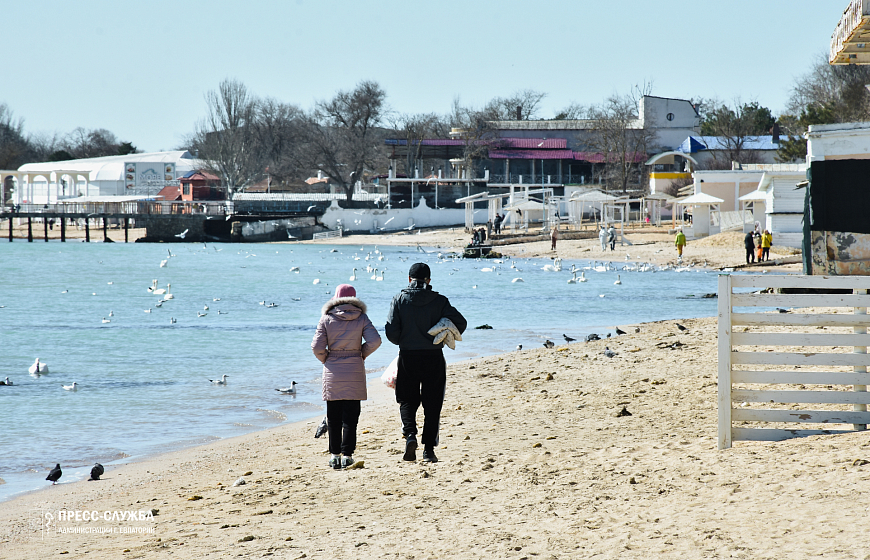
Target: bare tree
(341, 136)
(619, 135)
(227, 137)
(572, 112)
(414, 128)
(526, 102)
(277, 127)
(479, 131)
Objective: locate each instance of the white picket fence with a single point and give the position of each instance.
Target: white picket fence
(791, 367)
(331, 234)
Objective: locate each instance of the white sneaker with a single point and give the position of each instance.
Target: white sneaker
(335, 462)
(346, 461)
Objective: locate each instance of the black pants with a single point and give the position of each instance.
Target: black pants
(750, 255)
(421, 379)
(342, 418)
(765, 253)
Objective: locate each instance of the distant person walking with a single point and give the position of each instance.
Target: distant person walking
(497, 223)
(680, 242)
(489, 228)
(749, 244)
(422, 372)
(766, 242)
(611, 237)
(554, 236)
(602, 237)
(338, 344)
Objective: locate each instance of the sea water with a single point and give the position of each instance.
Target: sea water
(143, 382)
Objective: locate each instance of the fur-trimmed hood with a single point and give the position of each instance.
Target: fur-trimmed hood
(336, 302)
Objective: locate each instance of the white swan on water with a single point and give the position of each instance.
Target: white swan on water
(38, 367)
(381, 277)
(618, 280)
(168, 292)
(353, 276)
(582, 277)
(573, 280)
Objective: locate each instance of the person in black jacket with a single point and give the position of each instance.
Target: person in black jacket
(422, 372)
(749, 244)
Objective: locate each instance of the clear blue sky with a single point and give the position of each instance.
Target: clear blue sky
(140, 69)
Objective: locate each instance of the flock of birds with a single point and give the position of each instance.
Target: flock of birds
(592, 337)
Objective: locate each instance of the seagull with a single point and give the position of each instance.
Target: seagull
(159, 303)
(7, 382)
(162, 263)
(65, 291)
(619, 331)
(322, 428)
(223, 312)
(312, 207)
(681, 327)
(55, 474)
(97, 471)
(182, 234)
(608, 352)
(216, 299)
(205, 307)
(272, 305)
(549, 344)
(72, 387)
(221, 381)
(519, 347)
(198, 314)
(38, 367)
(106, 320)
(148, 310)
(262, 302)
(568, 338)
(291, 390)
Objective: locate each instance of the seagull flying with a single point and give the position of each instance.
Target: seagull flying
(182, 234)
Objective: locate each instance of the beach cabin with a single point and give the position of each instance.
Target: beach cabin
(702, 208)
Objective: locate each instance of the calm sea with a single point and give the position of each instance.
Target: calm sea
(143, 382)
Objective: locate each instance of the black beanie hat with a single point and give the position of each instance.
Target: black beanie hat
(419, 271)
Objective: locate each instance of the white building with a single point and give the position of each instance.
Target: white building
(51, 182)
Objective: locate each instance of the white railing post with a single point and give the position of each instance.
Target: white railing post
(861, 369)
(724, 361)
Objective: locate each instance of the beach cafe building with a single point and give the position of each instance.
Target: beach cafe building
(141, 175)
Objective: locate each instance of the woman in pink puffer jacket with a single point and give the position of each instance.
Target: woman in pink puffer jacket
(338, 343)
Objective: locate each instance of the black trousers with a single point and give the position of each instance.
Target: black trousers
(421, 379)
(342, 418)
(750, 255)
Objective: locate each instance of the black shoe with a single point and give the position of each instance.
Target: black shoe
(429, 454)
(410, 448)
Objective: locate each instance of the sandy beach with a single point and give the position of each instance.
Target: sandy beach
(535, 462)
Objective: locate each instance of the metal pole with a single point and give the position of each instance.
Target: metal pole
(10, 230)
(126, 229)
(724, 361)
(45, 229)
(87, 230)
(62, 229)
(105, 233)
(861, 369)
(29, 231)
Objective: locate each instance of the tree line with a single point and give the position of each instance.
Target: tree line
(247, 139)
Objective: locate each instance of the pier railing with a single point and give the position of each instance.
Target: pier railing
(147, 207)
(786, 357)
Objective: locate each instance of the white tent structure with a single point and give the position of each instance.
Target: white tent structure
(594, 198)
(52, 182)
(701, 205)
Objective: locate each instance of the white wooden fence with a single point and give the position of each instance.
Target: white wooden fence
(797, 362)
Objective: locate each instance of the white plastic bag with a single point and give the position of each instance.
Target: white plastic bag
(389, 375)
